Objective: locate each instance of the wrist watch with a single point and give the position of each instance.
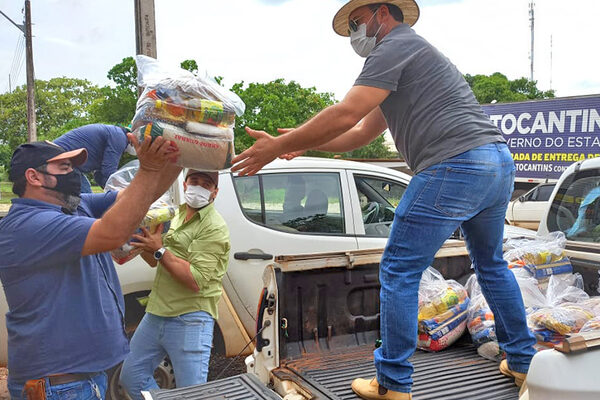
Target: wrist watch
(159, 253)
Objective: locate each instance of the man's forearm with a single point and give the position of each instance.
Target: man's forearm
(168, 175)
(323, 128)
(126, 215)
(347, 141)
(179, 270)
(123, 218)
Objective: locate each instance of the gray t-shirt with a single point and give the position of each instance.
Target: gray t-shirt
(431, 110)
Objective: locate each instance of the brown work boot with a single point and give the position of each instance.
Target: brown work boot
(518, 376)
(371, 390)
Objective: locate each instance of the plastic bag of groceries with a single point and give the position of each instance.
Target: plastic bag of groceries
(565, 309)
(592, 325)
(442, 311)
(592, 304)
(194, 112)
(541, 257)
(160, 212)
(481, 324)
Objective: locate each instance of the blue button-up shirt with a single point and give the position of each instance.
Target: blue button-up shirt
(66, 311)
(105, 145)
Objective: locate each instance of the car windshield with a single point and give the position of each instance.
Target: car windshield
(576, 207)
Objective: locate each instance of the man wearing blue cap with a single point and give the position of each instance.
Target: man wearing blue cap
(66, 309)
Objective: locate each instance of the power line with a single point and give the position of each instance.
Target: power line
(18, 58)
(18, 73)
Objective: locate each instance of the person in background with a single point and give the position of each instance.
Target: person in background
(105, 144)
(192, 259)
(65, 305)
(464, 177)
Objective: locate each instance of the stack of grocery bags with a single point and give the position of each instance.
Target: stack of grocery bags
(442, 311)
(194, 112)
(554, 298)
(555, 302)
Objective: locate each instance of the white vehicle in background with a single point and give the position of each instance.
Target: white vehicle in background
(528, 209)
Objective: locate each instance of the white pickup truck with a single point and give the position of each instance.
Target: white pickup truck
(291, 207)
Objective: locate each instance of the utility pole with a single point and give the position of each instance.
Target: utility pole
(551, 51)
(145, 28)
(31, 124)
(26, 29)
(532, 19)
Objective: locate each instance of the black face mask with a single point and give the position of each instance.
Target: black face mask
(69, 184)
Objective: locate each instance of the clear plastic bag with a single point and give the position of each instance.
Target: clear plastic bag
(563, 319)
(194, 112)
(442, 311)
(592, 325)
(160, 212)
(480, 319)
(541, 257)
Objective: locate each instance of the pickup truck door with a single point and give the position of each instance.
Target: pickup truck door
(280, 212)
(374, 200)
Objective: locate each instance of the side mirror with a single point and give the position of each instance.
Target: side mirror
(521, 198)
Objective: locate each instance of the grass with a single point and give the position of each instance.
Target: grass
(6, 192)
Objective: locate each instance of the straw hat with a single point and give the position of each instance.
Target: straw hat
(409, 8)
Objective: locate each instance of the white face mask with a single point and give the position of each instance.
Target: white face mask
(130, 150)
(197, 196)
(361, 43)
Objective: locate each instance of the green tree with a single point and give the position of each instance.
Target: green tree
(58, 101)
(124, 74)
(276, 104)
(117, 105)
(190, 65)
(498, 87)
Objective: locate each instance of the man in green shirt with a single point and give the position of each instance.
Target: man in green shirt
(192, 259)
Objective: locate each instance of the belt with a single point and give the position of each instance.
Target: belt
(62, 379)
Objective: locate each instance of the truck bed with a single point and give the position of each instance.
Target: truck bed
(240, 387)
(457, 373)
(329, 306)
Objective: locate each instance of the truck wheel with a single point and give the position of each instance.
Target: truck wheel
(163, 375)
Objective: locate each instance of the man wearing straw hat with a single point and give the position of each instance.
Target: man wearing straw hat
(463, 178)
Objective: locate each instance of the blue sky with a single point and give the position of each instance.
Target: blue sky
(261, 40)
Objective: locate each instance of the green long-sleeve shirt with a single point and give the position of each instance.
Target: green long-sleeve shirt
(203, 241)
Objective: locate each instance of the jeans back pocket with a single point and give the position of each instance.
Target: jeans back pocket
(464, 189)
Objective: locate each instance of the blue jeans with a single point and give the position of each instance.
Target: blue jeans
(470, 191)
(186, 339)
(90, 389)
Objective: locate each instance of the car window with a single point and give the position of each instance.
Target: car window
(378, 200)
(294, 202)
(544, 193)
(531, 196)
(248, 190)
(575, 209)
